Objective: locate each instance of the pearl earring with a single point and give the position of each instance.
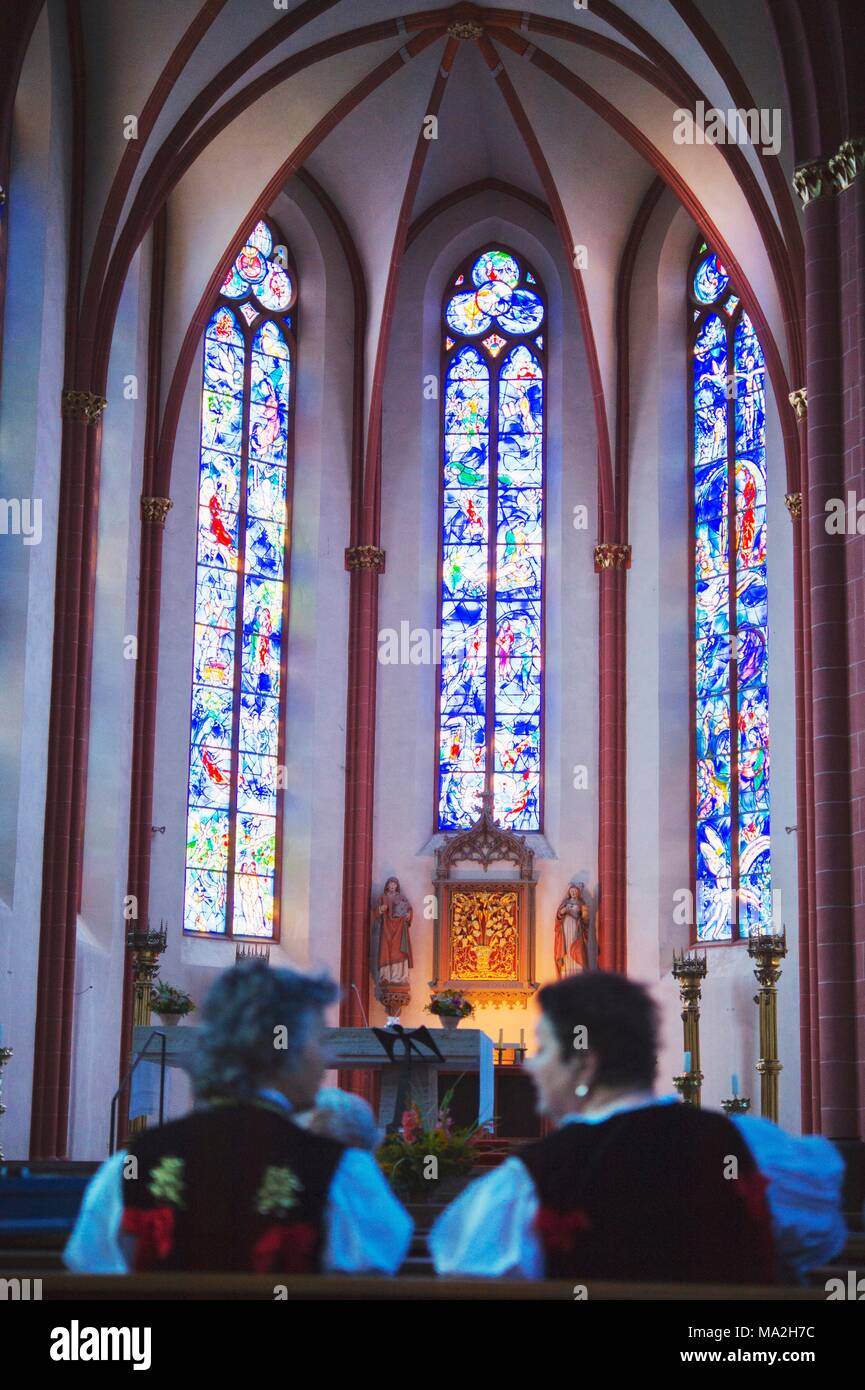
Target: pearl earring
(582, 1090)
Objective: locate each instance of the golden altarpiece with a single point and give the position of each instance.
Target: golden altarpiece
(485, 925)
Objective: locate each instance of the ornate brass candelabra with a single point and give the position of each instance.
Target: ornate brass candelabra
(736, 1105)
(5, 1054)
(146, 947)
(689, 969)
(768, 951)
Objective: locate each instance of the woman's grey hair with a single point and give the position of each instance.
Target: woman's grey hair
(254, 1022)
(344, 1117)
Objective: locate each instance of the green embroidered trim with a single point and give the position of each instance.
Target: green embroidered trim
(277, 1193)
(166, 1181)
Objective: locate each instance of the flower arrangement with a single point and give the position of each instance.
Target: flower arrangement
(169, 1001)
(449, 1003)
(405, 1155)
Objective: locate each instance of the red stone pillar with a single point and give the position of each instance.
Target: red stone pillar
(611, 562)
(365, 563)
(833, 901)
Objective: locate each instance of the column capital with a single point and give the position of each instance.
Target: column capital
(799, 401)
(793, 503)
(81, 405)
(812, 181)
(365, 557)
(609, 555)
(154, 510)
(848, 163)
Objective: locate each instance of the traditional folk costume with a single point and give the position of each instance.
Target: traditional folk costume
(239, 1187)
(645, 1192)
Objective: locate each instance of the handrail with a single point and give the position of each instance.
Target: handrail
(128, 1077)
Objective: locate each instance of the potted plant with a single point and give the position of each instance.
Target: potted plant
(449, 1006)
(405, 1156)
(170, 1003)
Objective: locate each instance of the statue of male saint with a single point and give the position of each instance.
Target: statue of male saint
(571, 942)
(390, 955)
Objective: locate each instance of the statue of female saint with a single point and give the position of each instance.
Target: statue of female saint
(390, 957)
(571, 943)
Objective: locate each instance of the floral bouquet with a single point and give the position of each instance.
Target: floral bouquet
(170, 1002)
(449, 1003)
(417, 1160)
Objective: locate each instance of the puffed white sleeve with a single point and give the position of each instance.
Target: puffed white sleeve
(367, 1229)
(94, 1246)
(490, 1228)
(805, 1175)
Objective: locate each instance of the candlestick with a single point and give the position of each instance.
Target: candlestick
(768, 950)
(689, 969)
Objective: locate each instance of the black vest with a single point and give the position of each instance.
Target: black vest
(644, 1196)
(230, 1187)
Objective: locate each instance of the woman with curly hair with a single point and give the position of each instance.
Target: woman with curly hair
(237, 1184)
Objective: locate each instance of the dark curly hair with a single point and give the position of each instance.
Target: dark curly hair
(236, 1049)
(621, 1023)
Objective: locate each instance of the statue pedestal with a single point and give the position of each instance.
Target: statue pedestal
(463, 1050)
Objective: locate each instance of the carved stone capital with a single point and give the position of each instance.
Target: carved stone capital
(793, 503)
(799, 401)
(847, 163)
(82, 405)
(365, 557)
(609, 555)
(154, 510)
(812, 181)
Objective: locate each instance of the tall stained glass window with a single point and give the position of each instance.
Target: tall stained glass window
(731, 693)
(492, 526)
(237, 721)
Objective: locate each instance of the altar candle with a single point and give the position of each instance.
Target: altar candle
(735, 1083)
(501, 1037)
(522, 1036)
(687, 1062)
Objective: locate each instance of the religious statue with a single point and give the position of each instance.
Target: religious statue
(571, 943)
(390, 957)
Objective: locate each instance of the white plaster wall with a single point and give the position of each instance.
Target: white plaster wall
(406, 742)
(659, 747)
(317, 635)
(30, 425)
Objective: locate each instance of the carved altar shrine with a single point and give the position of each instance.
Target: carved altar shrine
(485, 925)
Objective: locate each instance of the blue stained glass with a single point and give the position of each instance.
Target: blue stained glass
(204, 902)
(464, 572)
(211, 716)
(217, 536)
(460, 799)
(710, 280)
(259, 725)
(265, 548)
(463, 741)
(223, 367)
(213, 656)
(730, 884)
(256, 788)
(221, 422)
(215, 598)
(469, 581)
(237, 701)
(515, 799)
(266, 492)
(209, 776)
(465, 517)
(220, 478)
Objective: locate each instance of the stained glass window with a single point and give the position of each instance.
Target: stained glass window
(237, 718)
(491, 597)
(731, 694)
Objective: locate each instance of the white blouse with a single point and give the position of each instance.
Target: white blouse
(489, 1229)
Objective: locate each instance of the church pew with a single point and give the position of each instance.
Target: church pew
(337, 1288)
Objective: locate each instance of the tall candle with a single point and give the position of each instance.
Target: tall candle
(501, 1037)
(735, 1081)
(522, 1036)
(687, 1061)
